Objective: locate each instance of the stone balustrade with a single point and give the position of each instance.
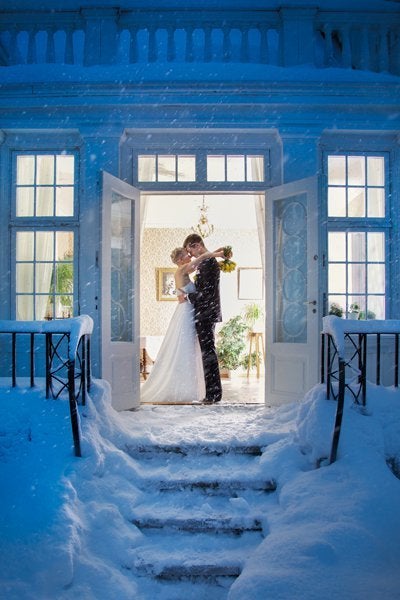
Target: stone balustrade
(286, 37)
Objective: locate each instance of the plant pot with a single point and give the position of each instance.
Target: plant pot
(353, 316)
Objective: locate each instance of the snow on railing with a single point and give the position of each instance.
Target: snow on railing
(346, 354)
(289, 36)
(66, 353)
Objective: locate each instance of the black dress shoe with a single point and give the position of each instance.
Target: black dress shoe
(207, 401)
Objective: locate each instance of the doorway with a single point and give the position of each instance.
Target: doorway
(235, 219)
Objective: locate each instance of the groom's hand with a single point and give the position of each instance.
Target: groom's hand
(182, 298)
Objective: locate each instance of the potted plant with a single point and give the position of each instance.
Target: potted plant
(253, 315)
(354, 311)
(231, 343)
(336, 309)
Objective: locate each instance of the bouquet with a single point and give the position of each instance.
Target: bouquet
(227, 265)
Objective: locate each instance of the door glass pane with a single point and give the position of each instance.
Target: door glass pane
(44, 201)
(255, 168)
(24, 276)
(336, 170)
(375, 170)
(337, 278)
(45, 170)
(337, 202)
(166, 168)
(376, 307)
(24, 308)
(24, 249)
(356, 170)
(356, 201)
(356, 278)
(356, 246)
(376, 279)
(376, 202)
(235, 168)
(25, 170)
(64, 170)
(337, 246)
(64, 202)
(44, 245)
(147, 168)
(121, 268)
(376, 247)
(25, 202)
(186, 168)
(290, 276)
(215, 168)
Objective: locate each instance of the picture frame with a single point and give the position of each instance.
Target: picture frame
(250, 283)
(166, 284)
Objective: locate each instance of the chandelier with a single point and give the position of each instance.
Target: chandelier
(203, 227)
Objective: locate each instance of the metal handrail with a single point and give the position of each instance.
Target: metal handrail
(336, 366)
(67, 362)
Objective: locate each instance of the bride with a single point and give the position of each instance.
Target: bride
(177, 375)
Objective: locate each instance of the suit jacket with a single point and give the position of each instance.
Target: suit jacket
(206, 299)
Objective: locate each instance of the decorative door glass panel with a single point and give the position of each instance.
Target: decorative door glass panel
(121, 269)
(290, 270)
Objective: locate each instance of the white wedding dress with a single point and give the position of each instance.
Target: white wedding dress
(177, 374)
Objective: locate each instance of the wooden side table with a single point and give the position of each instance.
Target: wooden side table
(256, 341)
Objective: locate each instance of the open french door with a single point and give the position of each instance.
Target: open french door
(292, 326)
(119, 291)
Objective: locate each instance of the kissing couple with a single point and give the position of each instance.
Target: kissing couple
(186, 369)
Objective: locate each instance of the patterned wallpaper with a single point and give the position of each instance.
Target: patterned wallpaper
(156, 248)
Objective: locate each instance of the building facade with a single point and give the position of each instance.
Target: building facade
(297, 104)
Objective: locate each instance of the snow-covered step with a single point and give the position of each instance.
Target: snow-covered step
(213, 486)
(148, 451)
(209, 572)
(236, 526)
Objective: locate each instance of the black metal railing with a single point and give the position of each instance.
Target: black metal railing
(57, 350)
(356, 357)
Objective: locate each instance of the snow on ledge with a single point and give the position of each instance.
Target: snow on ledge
(337, 327)
(76, 327)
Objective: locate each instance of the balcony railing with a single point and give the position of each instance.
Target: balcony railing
(60, 350)
(290, 36)
(352, 353)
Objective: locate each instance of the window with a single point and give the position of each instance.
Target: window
(166, 167)
(357, 235)
(44, 246)
(240, 167)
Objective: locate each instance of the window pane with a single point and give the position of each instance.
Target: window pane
(166, 168)
(255, 168)
(376, 247)
(44, 201)
(337, 246)
(376, 307)
(340, 301)
(356, 246)
(375, 170)
(64, 245)
(147, 168)
(25, 170)
(376, 202)
(44, 245)
(336, 170)
(64, 170)
(186, 168)
(44, 170)
(376, 279)
(43, 277)
(24, 278)
(356, 279)
(356, 199)
(24, 245)
(235, 168)
(337, 279)
(25, 308)
(64, 202)
(337, 202)
(215, 168)
(25, 202)
(356, 170)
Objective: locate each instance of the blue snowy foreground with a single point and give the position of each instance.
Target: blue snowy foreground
(65, 522)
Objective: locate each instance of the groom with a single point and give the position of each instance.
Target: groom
(207, 312)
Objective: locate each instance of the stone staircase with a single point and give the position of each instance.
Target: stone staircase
(201, 513)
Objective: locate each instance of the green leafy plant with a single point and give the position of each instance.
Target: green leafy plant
(354, 308)
(336, 310)
(254, 360)
(253, 313)
(231, 343)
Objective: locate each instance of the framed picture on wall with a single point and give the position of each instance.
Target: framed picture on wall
(166, 284)
(250, 283)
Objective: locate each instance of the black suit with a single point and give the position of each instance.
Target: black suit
(207, 312)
